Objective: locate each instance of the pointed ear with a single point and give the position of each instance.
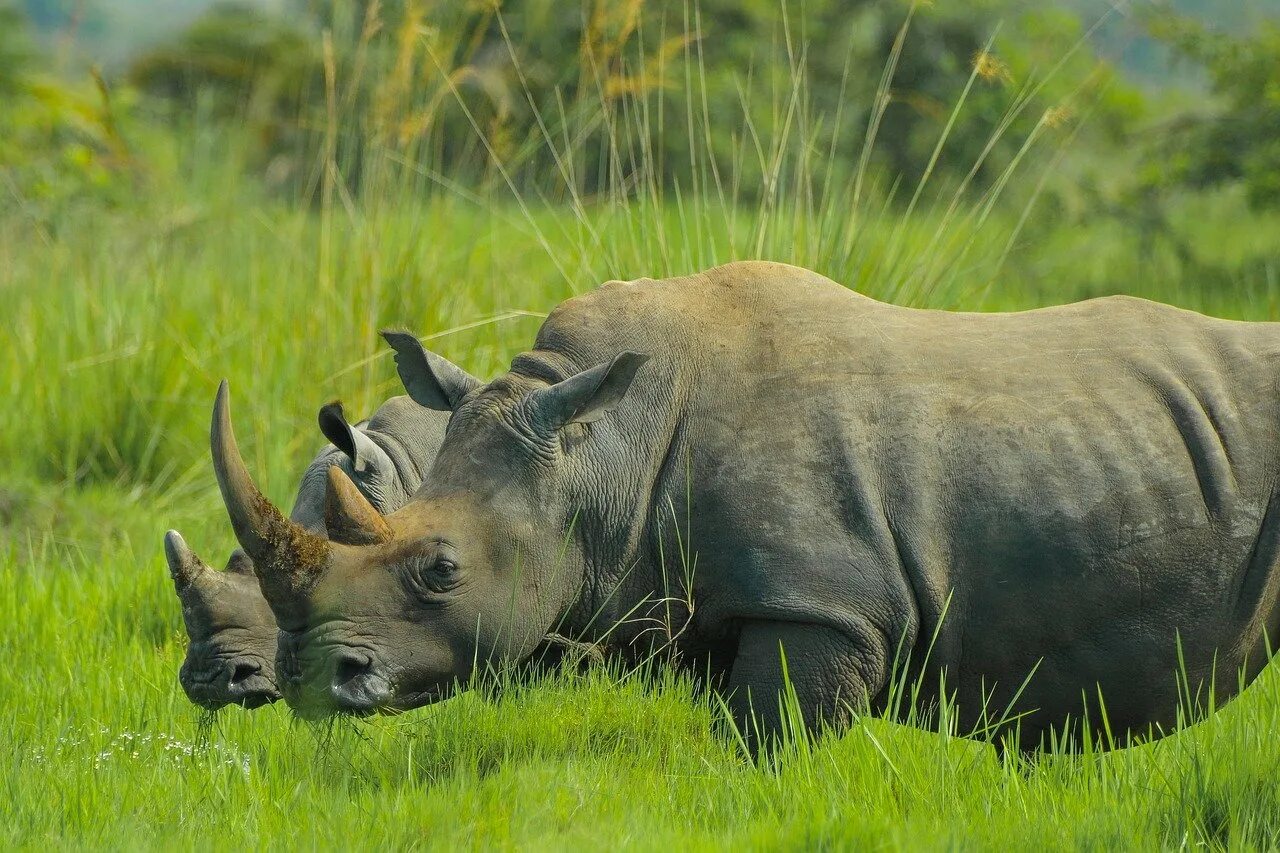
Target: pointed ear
(432, 382)
(587, 396)
(352, 441)
(349, 518)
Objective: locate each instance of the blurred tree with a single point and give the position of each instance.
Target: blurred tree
(605, 93)
(1236, 138)
(241, 66)
(237, 52)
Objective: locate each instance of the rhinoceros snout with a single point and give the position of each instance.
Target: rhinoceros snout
(358, 685)
(237, 681)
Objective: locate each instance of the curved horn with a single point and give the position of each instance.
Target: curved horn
(348, 516)
(184, 565)
(286, 556)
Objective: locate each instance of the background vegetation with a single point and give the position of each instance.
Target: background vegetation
(252, 191)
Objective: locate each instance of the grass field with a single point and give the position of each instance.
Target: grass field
(116, 333)
(118, 324)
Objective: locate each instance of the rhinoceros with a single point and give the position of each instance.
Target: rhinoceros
(231, 631)
(805, 489)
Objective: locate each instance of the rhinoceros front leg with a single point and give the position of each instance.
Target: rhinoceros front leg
(830, 672)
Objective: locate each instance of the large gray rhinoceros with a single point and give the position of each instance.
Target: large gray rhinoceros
(1085, 493)
(231, 631)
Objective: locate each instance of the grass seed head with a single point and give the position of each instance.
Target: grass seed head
(991, 68)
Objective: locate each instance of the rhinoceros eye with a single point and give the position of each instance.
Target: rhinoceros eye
(431, 575)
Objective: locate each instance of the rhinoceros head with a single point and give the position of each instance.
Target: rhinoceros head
(392, 612)
(232, 632)
(231, 647)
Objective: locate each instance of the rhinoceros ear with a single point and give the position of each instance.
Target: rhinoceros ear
(352, 441)
(432, 381)
(588, 396)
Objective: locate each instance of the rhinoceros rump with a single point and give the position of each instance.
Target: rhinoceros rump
(1082, 490)
(231, 631)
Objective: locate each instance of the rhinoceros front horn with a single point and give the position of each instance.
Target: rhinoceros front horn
(184, 565)
(286, 556)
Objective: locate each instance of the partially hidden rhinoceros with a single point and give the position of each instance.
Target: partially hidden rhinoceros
(231, 631)
(795, 484)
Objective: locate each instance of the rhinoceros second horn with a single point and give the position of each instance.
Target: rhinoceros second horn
(348, 515)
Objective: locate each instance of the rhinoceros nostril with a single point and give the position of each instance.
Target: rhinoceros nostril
(358, 685)
(350, 667)
(244, 670)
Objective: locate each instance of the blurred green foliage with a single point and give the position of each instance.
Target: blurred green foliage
(61, 143)
(574, 100)
(15, 50)
(1236, 138)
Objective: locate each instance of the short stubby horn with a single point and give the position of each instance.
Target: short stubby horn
(184, 566)
(286, 556)
(348, 515)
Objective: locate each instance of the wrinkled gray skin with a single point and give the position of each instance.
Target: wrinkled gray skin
(232, 634)
(1079, 488)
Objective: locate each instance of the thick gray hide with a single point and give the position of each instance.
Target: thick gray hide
(1078, 487)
